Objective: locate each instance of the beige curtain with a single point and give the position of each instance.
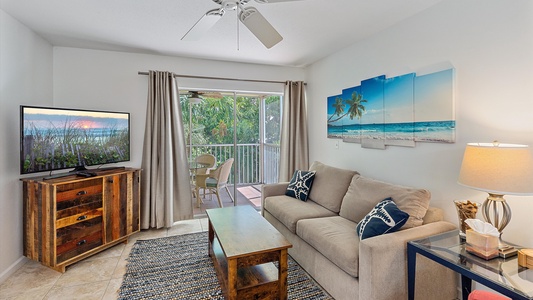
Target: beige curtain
(166, 191)
(294, 152)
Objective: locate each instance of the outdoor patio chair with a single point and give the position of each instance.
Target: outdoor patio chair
(205, 163)
(212, 182)
(202, 165)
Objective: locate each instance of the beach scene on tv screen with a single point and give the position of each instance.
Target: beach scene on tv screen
(57, 139)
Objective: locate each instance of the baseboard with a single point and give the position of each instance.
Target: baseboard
(13, 268)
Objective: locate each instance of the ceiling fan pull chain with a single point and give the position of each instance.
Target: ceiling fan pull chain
(238, 27)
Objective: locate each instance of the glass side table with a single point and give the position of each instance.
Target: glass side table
(503, 275)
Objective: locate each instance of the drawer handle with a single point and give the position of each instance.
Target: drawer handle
(81, 242)
(110, 181)
(81, 193)
(81, 218)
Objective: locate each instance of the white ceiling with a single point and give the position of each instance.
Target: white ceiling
(312, 29)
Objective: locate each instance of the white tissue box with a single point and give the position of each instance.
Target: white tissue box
(482, 245)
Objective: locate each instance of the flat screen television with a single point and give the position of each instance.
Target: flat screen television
(61, 138)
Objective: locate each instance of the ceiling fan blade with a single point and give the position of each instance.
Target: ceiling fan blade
(216, 95)
(260, 27)
(203, 25)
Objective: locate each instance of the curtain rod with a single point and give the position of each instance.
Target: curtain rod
(222, 78)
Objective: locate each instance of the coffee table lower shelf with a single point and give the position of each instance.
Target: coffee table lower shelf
(253, 281)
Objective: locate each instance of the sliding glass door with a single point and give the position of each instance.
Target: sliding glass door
(271, 138)
(239, 126)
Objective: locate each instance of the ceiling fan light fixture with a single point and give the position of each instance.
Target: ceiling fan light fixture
(229, 5)
(260, 27)
(195, 98)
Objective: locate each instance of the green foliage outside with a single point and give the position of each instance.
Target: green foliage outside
(212, 124)
(212, 120)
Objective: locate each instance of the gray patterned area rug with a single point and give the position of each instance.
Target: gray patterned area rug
(179, 267)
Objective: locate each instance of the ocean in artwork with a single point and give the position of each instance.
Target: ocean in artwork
(396, 111)
(431, 131)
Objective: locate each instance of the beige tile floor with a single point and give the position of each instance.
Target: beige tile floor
(97, 277)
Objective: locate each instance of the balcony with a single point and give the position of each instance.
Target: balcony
(255, 165)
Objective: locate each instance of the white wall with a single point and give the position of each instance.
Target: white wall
(490, 44)
(109, 80)
(25, 78)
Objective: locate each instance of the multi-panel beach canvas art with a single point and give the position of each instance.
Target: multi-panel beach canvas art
(395, 111)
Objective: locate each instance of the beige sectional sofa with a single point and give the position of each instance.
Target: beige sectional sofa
(325, 243)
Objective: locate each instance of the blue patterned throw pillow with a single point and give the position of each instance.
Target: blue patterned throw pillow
(383, 218)
(300, 184)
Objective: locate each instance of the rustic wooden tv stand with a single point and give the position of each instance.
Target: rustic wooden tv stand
(69, 218)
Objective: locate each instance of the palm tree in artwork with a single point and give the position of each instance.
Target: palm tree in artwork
(339, 107)
(355, 110)
(356, 107)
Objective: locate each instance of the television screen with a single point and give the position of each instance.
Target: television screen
(60, 138)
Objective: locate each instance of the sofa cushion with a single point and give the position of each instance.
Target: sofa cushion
(385, 217)
(335, 238)
(300, 184)
(364, 193)
(330, 185)
(289, 210)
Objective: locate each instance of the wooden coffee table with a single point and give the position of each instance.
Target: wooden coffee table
(243, 246)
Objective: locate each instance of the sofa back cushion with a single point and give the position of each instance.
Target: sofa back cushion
(364, 193)
(330, 185)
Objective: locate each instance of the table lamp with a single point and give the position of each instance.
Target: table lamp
(498, 169)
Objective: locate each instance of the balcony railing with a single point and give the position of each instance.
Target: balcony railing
(254, 163)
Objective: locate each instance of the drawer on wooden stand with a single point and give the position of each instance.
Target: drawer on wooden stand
(79, 189)
(78, 238)
(77, 202)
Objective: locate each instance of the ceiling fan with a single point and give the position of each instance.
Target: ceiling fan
(196, 96)
(249, 16)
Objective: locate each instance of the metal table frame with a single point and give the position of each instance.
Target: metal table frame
(436, 253)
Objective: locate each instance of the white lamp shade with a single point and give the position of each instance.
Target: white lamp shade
(505, 169)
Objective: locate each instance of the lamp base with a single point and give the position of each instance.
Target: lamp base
(506, 251)
(491, 204)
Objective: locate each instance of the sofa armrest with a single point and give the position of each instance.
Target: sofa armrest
(433, 214)
(273, 189)
(383, 262)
